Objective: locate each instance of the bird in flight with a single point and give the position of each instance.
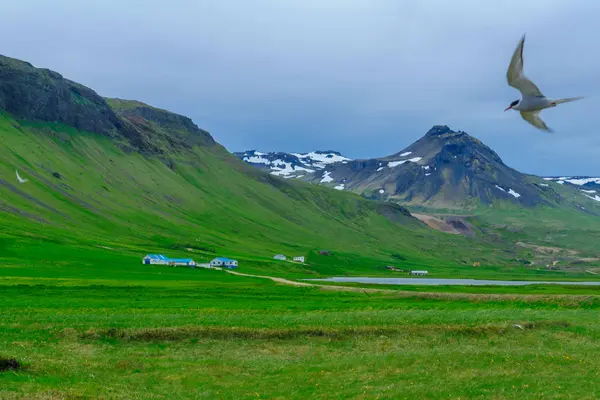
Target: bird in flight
(532, 100)
(21, 180)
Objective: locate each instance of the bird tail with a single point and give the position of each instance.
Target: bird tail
(567, 100)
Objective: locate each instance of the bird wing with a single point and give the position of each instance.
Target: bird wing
(533, 117)
(515, 76)
(19, 177)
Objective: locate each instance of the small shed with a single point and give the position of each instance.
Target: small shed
(324, 253)
(153, 259)
(187, 262)
(419, 272)
(280, 257)
(299, 259)
(224, 262)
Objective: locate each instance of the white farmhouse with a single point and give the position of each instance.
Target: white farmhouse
(188, 262)
(155, 259)
(224, 262)
(280, 257)
(299, 259)
(419, 272)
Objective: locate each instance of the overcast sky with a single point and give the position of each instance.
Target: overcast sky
(364, 77)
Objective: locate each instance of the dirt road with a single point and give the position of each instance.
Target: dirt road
(324, 287)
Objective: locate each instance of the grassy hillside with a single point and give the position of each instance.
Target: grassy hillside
(84, 191)
(541, 235)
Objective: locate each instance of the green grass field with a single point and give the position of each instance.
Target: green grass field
(181, 333)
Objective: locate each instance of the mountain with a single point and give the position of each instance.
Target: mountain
(112, 175)
(587, 185)
(291, 165)
(445, 169)
(37, 94)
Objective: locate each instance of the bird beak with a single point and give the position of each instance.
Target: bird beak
(508, 108)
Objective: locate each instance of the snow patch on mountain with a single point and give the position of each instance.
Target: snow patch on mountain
(596, 197)
(339, 187)
(574, 180)
(393, 164)
(319, 159)
(514, 194)
(326, 177)
(282, 168)
(510, 191)
(256, 160)
(286, 164)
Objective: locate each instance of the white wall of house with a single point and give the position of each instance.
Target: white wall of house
(220, 263)
(154, 261)
(190, 264)
(299, 259)
(216, 262)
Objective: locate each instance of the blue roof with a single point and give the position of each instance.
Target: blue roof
(186, 260)
(157, 257)
(224, 259)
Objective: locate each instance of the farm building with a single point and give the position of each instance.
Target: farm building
(299, 259)
(188, 262)
(280, 257)
(155, 259)
(224, 262)
(159, 259)
(324, 253)
(419, 272)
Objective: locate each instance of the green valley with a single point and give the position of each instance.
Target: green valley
(111, 180)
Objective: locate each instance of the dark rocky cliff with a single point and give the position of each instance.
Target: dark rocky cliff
(39, 94)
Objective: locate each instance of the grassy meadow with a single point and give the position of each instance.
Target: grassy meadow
(102, 325)
(182, 333)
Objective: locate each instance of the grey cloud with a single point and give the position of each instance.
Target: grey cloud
(363, 77)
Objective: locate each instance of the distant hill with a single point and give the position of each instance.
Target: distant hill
(587, 185)
(445, 169)
(292, 165)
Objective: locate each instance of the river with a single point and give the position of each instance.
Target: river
(438, 281)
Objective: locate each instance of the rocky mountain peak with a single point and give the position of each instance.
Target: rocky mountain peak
(438, 130)
(443, 169)
(39, 94)
(43, 95)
